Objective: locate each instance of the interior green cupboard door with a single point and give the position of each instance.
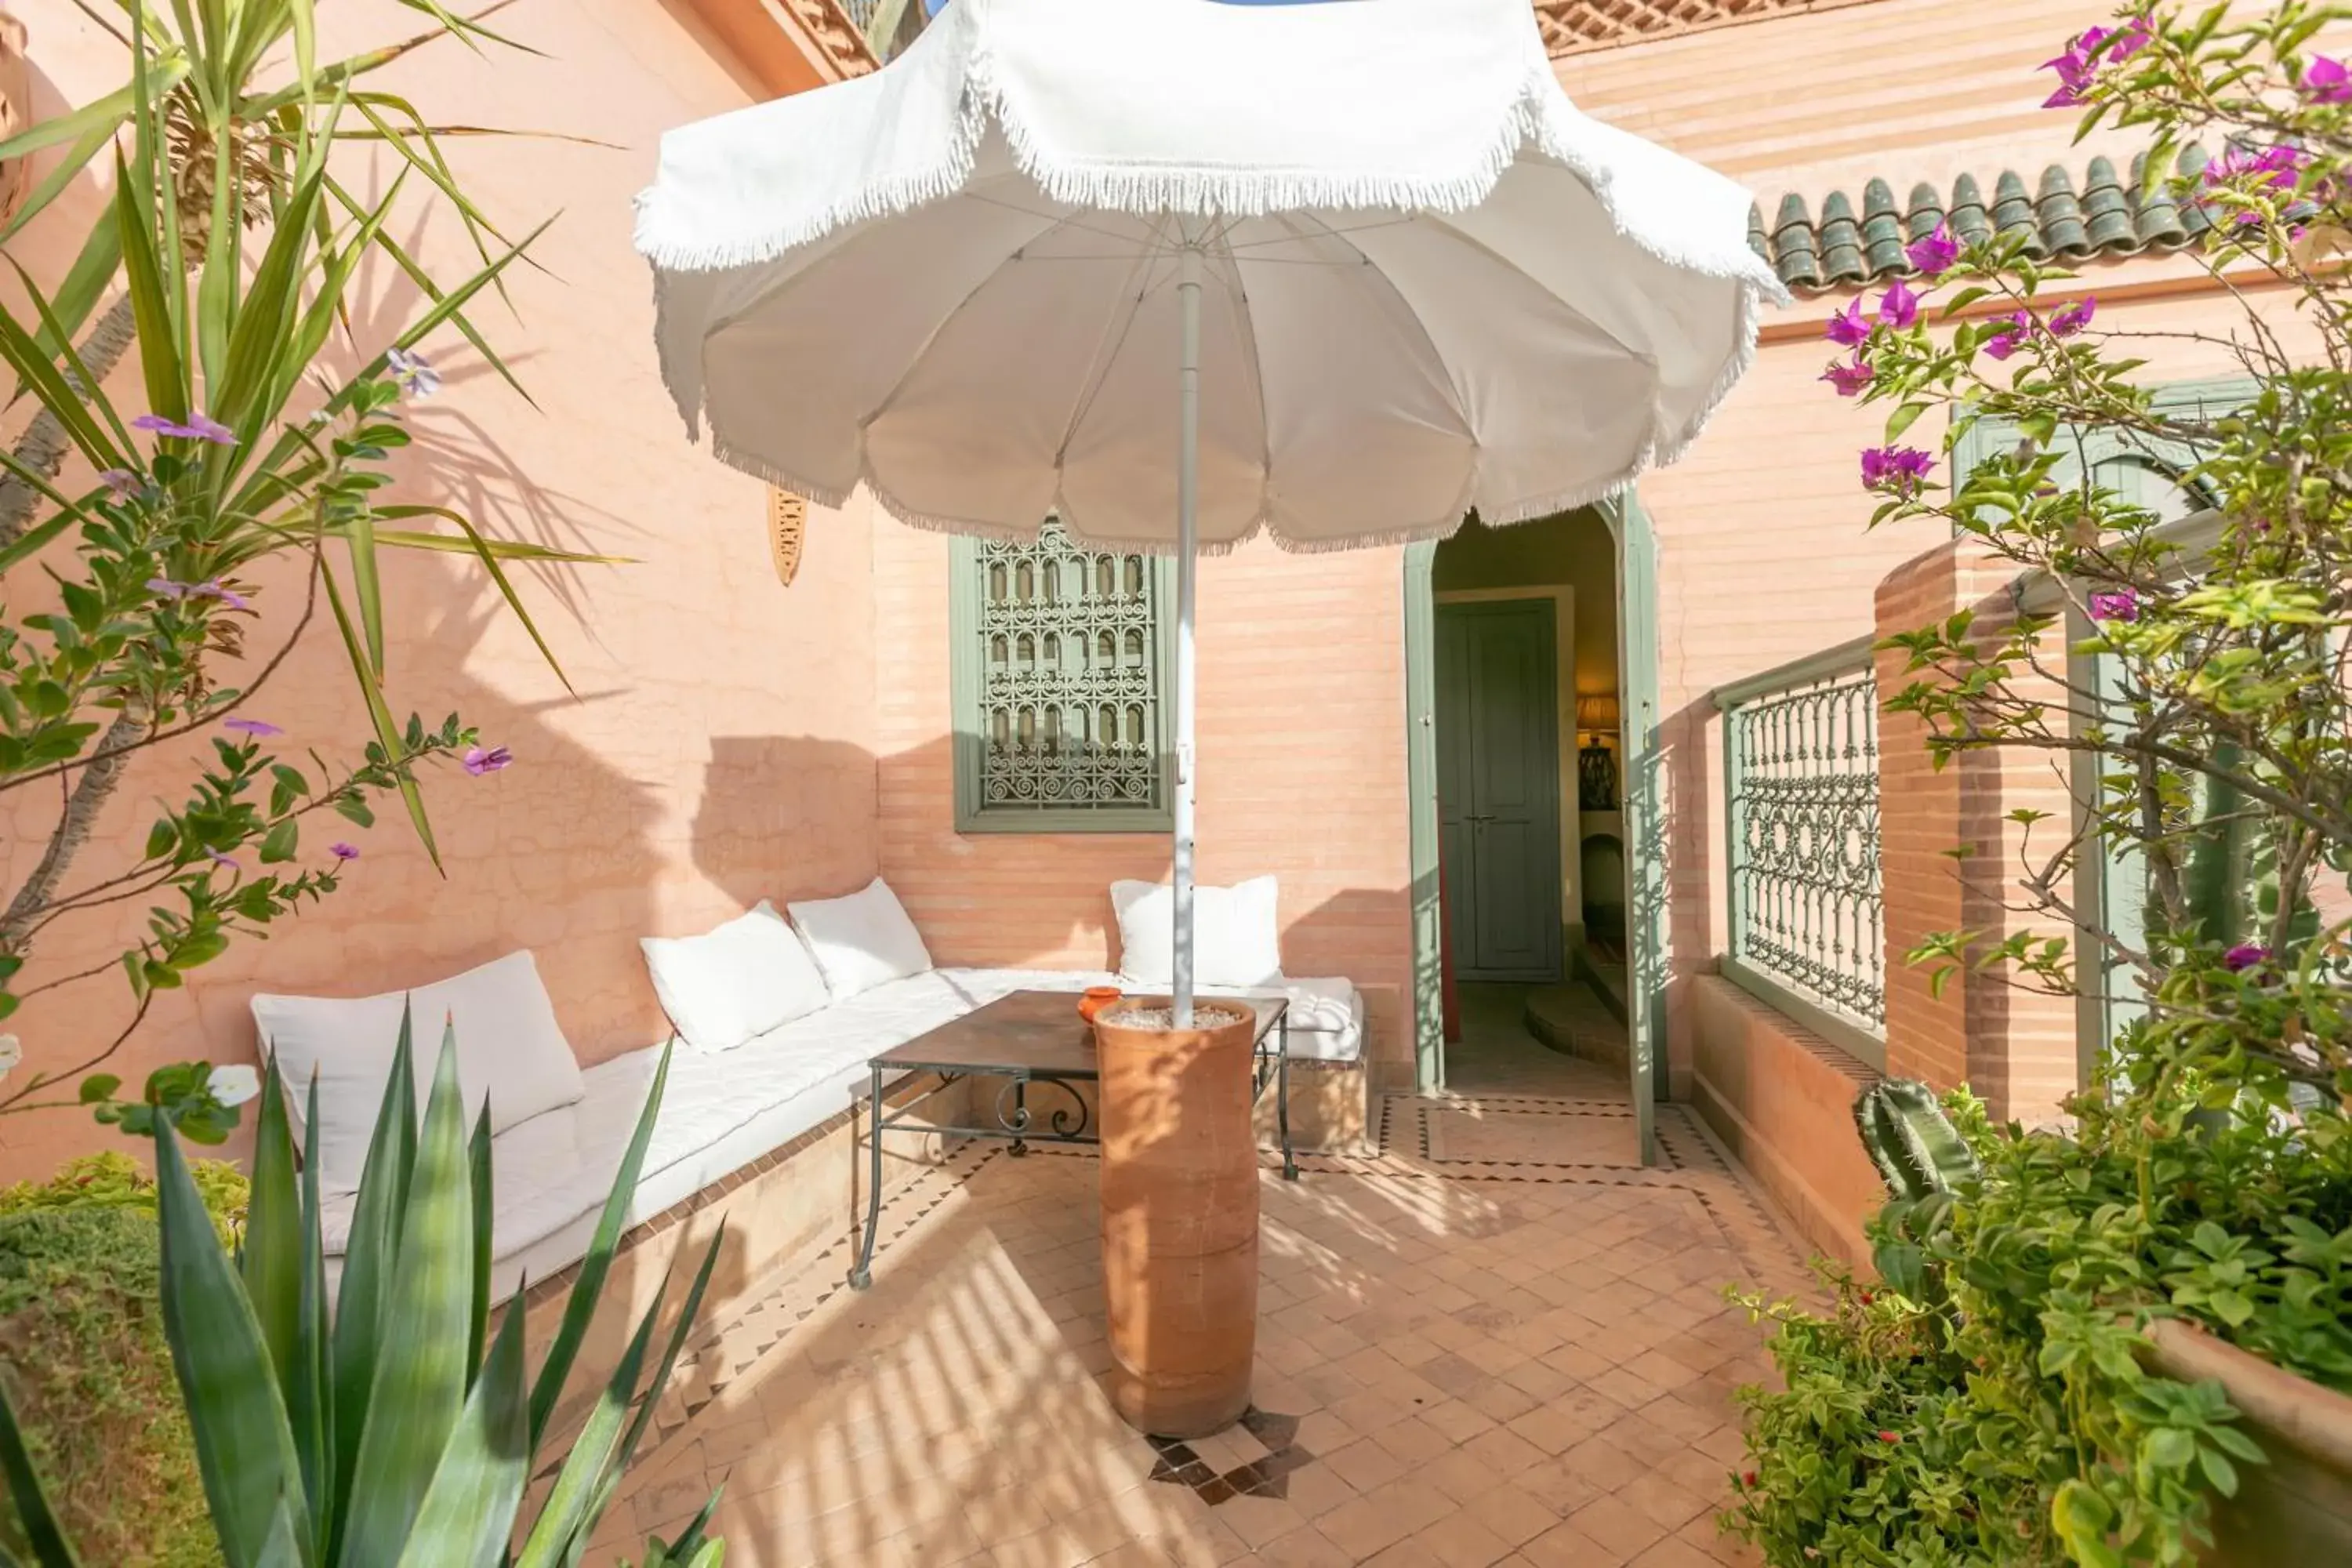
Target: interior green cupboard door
(1498, 787)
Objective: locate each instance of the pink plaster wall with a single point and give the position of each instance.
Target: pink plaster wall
(720, 746)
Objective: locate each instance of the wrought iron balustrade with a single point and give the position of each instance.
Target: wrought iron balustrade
(1801, 796)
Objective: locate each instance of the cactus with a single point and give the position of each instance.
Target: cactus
(1918, 1152)
(2222, 870)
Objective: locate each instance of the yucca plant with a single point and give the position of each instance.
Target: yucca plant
(214, 75)
(386, 1425)
(248, 450)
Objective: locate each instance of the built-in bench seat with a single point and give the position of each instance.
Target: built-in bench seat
(722, 1112)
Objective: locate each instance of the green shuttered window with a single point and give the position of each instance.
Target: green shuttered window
(1061, 656)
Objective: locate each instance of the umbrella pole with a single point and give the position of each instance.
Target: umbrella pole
(1188, 485)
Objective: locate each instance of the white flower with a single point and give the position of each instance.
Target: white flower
(234, 1085)
(11, 1053)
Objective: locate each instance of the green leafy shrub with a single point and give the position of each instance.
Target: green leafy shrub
(83, 1359)
(2205, 731)
(395, 1419)
(111, 1179)
(2016, 1371)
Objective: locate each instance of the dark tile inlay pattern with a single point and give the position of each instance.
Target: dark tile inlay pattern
(1269, 1477)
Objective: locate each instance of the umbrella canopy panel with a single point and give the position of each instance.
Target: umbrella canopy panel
(1430, 285)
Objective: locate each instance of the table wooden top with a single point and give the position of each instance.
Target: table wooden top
(1037, 1031)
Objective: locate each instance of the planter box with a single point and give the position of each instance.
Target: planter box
(2296, 1510)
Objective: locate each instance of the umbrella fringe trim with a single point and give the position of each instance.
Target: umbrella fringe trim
(1145, 191)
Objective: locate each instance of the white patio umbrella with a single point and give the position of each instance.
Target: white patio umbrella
(1180, 272)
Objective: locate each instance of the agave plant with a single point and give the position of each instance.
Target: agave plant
(375, 1427)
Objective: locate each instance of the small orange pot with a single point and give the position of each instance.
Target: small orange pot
(1094, 999)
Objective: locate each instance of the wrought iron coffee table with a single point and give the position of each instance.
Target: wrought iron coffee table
(1033, 1039)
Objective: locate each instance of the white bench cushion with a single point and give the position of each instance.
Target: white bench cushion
(738, 981)
(511, 1053)
(722, 1112)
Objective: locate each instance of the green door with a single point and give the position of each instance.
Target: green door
(1498, 787)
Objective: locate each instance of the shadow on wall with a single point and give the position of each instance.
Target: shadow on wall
(1680, 827)
(770, 823)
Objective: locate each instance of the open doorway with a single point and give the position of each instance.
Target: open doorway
(1530, 811)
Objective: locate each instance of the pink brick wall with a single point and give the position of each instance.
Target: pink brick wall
(720, 749)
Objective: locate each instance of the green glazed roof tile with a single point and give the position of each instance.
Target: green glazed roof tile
(2059, 215)
(2108, 219)
(2107, 211)
(1841, 241)
(1882, 231)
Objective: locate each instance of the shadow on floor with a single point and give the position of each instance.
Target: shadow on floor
(1497, 1055)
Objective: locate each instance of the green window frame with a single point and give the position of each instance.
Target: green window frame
(1060, 657)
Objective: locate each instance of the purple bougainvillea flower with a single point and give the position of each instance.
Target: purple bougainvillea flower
(2328, 81)
(122, 482)
(217, 858)
(2074, 318)
(346, 853)
(2244, 956)
(414, 373)
(2277, 167)
(2074, 68)
(1849, 379)
(168, 589)
(1847, 329)
(199, 428)
(1899, 470)
(481, 760)
(256, 727)
(1933, 254)
(2011, 337)
(2121, 605)
(1900, 307)
(2083, 57)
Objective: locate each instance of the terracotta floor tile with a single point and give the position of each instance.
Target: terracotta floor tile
(1671, 1506)
(1463, 1541)
(1308, 1548)
(1503, 1450)
(1414, 1441)
(1461, 1476)
(1317, 1490)
(1676, 1553)
(1515, 1513)
(1457, 1420)
(1366, 1466)
(1565, 1546)
(1531, 1374)
(1617, 1525)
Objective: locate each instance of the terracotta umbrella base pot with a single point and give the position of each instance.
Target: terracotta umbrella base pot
(1179, 1216)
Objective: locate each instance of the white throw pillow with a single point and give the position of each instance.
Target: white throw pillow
(749, 976)
(1236, 934)
(511, 1052)
(862, 941)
